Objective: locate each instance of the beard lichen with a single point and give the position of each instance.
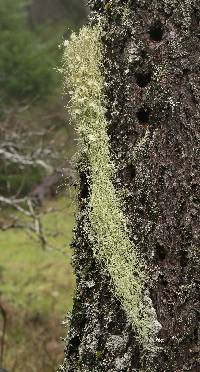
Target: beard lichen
(82, 68)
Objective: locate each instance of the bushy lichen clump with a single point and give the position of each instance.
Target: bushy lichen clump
(108, 230)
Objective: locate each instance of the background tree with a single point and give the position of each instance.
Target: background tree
(135, 102)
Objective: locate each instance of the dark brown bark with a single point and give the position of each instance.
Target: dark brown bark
(152, 73)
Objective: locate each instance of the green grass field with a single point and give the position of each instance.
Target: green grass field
(36, 288)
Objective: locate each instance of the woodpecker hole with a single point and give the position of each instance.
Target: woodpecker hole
(143, 78)
(161, 252)
(143, 116)
(131, 171)
(156, 31)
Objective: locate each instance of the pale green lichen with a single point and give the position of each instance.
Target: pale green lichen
(108, 228)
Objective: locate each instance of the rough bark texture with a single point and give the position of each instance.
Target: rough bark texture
(151, 67)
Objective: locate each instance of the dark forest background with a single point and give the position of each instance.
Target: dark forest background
(36, 183)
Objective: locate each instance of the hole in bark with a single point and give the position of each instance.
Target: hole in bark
(143, 78)
(160, 252)
(156, 31)
(184, 258)
(131, 170)
(75, 342)
(143, 116)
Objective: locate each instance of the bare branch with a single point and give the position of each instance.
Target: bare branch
(14, 157)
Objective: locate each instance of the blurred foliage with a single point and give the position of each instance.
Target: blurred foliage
(26, 67)
(74, 12)
(77, 9)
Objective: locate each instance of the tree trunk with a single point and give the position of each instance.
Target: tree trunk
(150, 58)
